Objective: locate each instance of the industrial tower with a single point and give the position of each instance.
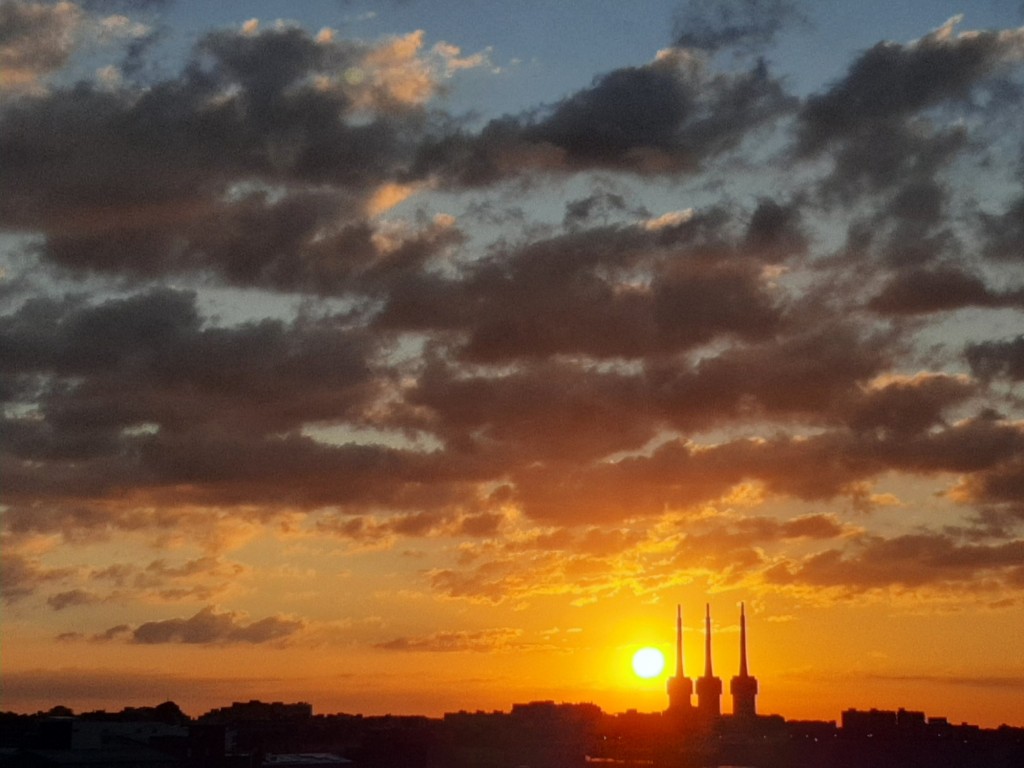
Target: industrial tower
(680, 687)
(743, 686)
(709, 687)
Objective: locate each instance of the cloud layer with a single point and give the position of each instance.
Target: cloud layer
(278, 289)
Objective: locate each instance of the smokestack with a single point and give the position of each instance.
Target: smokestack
(707, 641)
(743, 642)
(743, 686)
(709, 687)
(679, 641)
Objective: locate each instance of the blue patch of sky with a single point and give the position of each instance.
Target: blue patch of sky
(547, 50)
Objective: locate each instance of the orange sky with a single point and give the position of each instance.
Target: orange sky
(412, 357)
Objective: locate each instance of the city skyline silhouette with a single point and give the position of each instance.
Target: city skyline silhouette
(691, 704)
(545, 734)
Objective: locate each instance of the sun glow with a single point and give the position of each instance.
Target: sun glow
(648, 662)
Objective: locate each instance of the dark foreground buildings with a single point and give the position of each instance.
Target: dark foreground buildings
(539, 734)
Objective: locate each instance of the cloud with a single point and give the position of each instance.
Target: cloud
(113, 406)
(911, 560)
(920, 291)
(678, 474)
(871, 120)
(1004, 233)
(728, 550)
(259, 129)
(979, 681)
(579, 212)
(1002, 484)
(210, 627)
(36, 39)
(104, 5)
(532, 339)
(95, 442)
(589, 563)
(115, 439)
(484, 640)
(626, 290)
(998, 358)
(711, 25)
(22, 576)
(908, 405)
(71, 598)
(26, 573)
(669, 116)
(202, 578)
(380, 530)
(893, 81)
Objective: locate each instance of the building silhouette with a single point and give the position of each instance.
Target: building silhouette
(539, 734)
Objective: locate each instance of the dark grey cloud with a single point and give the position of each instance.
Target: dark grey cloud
(22, 576)
(909, 406)
(125, 5)
(775, 232)
(548, 410)
(36, 39)
(695, 302)
(203, 578)
(941, 289)
(1001, 486)
(71, 599)
(624, 364)
(1004, 234)
(669, 116)
(911, 560)
(251, 387)
(588, 209)
(209, 626)
(121, 363)
(483, 640)
(234, 473)
(892, 82)
(980, 681)
(989, 359)
(365, 529)
(174, 177)
(711, 25)
(140, 393)
(808, 374)
(817, 468)
(616, 290)
(874, 123)
(138, 64)
(993, 522)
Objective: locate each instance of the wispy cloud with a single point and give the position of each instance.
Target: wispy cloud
(208, 627)
(481, 640)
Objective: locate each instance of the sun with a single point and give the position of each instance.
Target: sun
(648, 662)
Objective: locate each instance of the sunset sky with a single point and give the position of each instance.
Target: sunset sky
(423, 355)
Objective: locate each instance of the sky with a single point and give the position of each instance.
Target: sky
(409, 357)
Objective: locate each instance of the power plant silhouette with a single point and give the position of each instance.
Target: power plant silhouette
(743, 686)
